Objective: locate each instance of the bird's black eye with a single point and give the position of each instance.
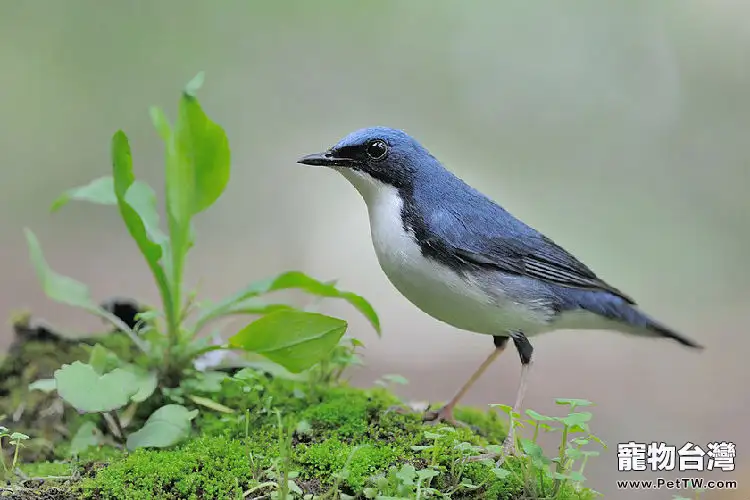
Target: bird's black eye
(376, 149)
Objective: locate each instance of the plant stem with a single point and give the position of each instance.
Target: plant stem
(561, 456)
(118, 425)
(15, 455)
(2, 456)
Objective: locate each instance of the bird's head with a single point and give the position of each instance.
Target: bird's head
(376, 158)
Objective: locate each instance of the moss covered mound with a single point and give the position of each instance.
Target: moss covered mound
(342, 442)
(284, 438)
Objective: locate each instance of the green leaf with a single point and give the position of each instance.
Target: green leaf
(292, 280)
(87, 435)
(209, 381)
(44, 384)
(195, 84)
(203, 149)
(57, 287)
(137, 204)
(161, 123)
(87, 391)
(211, 404)
(102, 359)
(572, 402)
(576, 419)
(167, 426)
(100, 191)
(294, 339)
(501, 473)
(147, 383)
(538, 416)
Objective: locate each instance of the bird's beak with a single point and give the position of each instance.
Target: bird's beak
(325, 159)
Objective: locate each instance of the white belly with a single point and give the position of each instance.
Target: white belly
(435, 289)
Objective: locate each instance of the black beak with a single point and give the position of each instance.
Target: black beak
(326, 159)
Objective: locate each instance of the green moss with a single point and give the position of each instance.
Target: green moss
(211, 467)
(338, 438)
(357, 463)
(47, 469)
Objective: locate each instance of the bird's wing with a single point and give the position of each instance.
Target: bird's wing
(524, 252)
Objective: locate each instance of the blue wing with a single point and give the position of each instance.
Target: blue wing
(473, 229)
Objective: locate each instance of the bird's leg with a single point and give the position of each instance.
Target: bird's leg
(445, 414)
(525, 351)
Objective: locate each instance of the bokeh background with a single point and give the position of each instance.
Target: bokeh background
(620, 129)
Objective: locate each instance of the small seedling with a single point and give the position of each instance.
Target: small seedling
(16, 440)
(561, 468)
(197, 170)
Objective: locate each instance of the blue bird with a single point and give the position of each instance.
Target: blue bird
(464, 260)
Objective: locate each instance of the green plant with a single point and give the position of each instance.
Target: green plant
(565, 469)
(197, 170)
(15, 439)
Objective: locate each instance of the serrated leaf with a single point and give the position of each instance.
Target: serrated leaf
(294, 339)
(167, 426)
(100, 191)
(293, 280)
(88, 392)
(56, 286)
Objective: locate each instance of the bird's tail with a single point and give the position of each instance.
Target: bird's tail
(631, 319)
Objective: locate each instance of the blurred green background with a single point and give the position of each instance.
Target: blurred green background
(620, 129)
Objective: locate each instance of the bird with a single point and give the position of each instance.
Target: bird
(461, 258)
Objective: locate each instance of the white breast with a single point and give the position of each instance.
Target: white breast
(433, 288)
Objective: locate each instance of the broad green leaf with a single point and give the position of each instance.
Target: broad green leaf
(57, 287)
(43, 384)
(292, 280)
(211, 404)
(294, 339)
(89, 392)
(100, 191)
(203, 150)
(167, 426)
(87, 435)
